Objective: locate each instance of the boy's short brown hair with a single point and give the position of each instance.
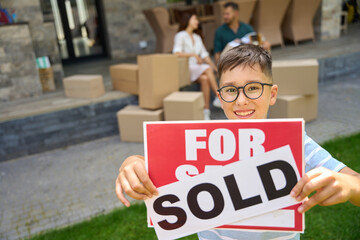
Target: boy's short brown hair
(246, 55)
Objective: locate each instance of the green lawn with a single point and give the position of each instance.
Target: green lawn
(336, 222)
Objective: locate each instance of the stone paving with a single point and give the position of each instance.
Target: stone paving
(61, 187)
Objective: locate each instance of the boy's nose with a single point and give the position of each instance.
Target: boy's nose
(242, 99)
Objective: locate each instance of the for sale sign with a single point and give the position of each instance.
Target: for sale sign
(238, 173)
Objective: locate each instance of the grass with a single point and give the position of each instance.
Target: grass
(124, 223)
(336, 222)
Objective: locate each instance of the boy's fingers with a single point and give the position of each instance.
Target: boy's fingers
(119, 193)
(131, 192)
(318, 198)
(334, 199)
(146, 181)
(132, 185)
(310, 186)
(300, 190)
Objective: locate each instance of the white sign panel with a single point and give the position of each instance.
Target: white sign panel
(234, 192)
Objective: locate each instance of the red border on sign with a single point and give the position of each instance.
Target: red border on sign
(164, 144)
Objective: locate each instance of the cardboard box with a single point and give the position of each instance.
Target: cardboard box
(295, 106)
(184, 106)
(84, 86)
(184, 72)
(158, 77)
(47, 79)
(296, 77)
(124, 77)
(130, 122)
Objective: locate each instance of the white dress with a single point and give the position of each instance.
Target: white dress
(183, 43)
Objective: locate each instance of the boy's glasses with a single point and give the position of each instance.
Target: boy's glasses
(251, 90)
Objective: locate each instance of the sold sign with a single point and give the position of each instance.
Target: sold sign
(258, 184)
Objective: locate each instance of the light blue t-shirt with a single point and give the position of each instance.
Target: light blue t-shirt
(315, 156)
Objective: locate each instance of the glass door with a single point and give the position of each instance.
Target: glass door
(78, 28)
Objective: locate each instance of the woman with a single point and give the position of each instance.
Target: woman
(189, 44)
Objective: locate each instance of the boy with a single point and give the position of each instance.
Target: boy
(246, 92)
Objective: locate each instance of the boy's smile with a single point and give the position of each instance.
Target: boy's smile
(243, 107)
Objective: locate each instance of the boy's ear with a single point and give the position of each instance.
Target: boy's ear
(273, 94)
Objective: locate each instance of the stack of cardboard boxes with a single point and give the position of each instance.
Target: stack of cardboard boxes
(298, 89)
(156, 78)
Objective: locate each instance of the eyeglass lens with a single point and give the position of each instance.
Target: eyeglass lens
(251, 90)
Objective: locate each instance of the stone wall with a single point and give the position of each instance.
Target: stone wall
(339, 66)
(42, 34)
(29, 135)
(327, 20)
(19, 77)
(126, 26)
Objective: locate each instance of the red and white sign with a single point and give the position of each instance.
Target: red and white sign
(177, 151)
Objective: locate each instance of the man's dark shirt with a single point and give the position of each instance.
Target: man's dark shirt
(224, 35)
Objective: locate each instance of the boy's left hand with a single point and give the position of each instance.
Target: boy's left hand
(331, 188)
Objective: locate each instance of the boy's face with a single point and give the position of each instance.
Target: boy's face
(243, 107)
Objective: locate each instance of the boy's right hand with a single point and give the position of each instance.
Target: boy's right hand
(134, 180)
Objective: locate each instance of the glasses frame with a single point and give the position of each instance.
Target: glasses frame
(243, 87)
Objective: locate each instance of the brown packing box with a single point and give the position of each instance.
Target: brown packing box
(296, 77)
(295, 106)
(84, 86)
(184, 72)
(124, 77)
(158, 77)
(47, 79)
(130, 122)
(184, 106)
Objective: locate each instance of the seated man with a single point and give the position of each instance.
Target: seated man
(232, 30)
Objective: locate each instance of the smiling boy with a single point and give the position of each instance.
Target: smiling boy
(246, 92)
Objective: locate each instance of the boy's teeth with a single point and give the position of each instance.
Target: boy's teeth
(244, 113)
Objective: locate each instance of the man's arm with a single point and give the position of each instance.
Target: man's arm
(217, 57)
(266, 45)
(331, 188)
(217, 45)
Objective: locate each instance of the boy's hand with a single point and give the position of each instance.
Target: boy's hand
(134, 181)
(331, 188)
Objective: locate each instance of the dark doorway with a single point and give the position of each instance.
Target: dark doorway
(79, 28)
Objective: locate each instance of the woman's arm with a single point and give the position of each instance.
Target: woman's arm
(211, 63)
(198, 58)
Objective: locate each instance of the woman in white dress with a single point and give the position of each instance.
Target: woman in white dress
(189, 44)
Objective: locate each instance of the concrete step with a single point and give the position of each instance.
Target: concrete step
(46, 126)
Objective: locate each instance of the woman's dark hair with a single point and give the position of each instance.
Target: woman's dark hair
(246, 55)
(184, 22)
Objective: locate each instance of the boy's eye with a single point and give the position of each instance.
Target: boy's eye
(230, 90)
(253, 87)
